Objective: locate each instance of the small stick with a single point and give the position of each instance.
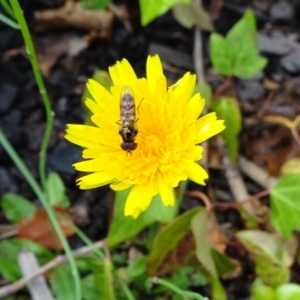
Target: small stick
(59, 260)
(256, 173)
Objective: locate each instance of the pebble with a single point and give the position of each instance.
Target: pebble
(281, 11)
(291, 62)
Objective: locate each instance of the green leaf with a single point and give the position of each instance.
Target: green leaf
(238, 54)
(241, 47)
(9, 250)
(62, 283)
(218, 55)
(200, 229)
(95, 4)
(167, 240)
(89, 289)
(228, 110)
(205, 92)
(137, 267)
(288, 291)
(260, 291)
(191, 14)
(9, 269)
(150, 9)
(56, 191)
(103, 279)
(16, 207)
(123, 227)
(285, 208)
(273, 256)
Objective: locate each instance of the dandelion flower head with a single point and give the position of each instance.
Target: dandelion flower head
(169, 133)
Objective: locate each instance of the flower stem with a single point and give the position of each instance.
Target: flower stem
(41, 196)
(39, 80)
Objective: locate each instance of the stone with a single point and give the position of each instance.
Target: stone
(281, 11)
(8, 94)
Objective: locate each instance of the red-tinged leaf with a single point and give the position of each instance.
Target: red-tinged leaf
(39, 229)
(173, 245)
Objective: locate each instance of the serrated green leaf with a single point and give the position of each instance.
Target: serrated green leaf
(260, 291)
(123, 227)
(168, 239)
(238, 54)
(95, 4)
(285, 208)
(56, 191)
(16, 207)
(288, 291)
(191, 14)
(273, 256)
(218, 55)
(62, 283)
(241, 47)
(228, 110)
(151, 10)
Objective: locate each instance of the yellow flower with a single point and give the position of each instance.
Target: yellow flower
(169, 131)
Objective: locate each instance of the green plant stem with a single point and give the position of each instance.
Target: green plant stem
(177, 290)
(50, 212)
(9, 22)
(7, 8)
(125, 288)
(86, 240)
(39, 80)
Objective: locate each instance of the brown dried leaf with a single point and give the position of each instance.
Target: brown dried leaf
(39, 229)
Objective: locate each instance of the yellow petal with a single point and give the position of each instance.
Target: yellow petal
(119, 186)
(138, 201)
(198, 153)
(93, 165)
(93, 106)
(122, 73)
(185, 87)
(166, 192)
(79, 142)
(95, 180)
(208, 126)
(85, 133)
(154, 70)
(197, 174)
(194, 108)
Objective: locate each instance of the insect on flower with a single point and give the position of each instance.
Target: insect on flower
(128, 129)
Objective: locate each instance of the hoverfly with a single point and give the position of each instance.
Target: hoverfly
(128, 129)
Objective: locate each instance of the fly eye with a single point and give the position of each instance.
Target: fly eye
(128, 146)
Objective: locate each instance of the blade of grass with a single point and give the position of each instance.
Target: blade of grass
(9, 22)
(39, 80)
(174, 288)
(7, 8)
(41, 196)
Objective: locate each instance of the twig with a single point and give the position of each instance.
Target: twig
(59, 260)
(256, 173)
(201, 196)
(121, 16)
(222, 87)
(225, 206)
(237, 186)
(197, 53)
